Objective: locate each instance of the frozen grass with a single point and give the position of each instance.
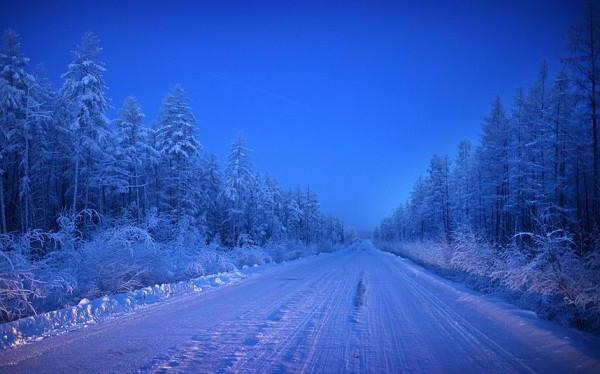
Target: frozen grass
(550, 278)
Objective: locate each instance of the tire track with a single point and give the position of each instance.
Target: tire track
(230, 344)
(351, 311)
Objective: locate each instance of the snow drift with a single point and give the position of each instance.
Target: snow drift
(91, 311)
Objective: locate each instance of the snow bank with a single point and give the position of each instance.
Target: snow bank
(555, 283)
(91, 311)
(191, 259)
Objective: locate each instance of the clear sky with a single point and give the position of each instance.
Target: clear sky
(351, 98)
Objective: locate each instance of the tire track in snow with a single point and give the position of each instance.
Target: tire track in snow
(290, 342)
(233, 344)
(360, 311)
(357, 361)
(449, 334)
(463, 334)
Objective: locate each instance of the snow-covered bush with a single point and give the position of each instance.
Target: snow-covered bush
(429, 253)
(183, 252)
(249, 256)
(556, 275)
(214, 260)
(42, 271)
(117, 260)
(324, 247)
(587, 284)
(472, 255)
(18, 282)
(58, 275)
(546, 274)
(290, 250)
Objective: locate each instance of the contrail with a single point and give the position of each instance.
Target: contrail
(263, 91)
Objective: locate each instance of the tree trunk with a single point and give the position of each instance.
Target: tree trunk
(75, 188)
(2, 206)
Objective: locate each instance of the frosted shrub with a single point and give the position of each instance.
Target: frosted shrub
(184, 252)
(324, 247)
(19, 285)
(161, 226)
(588, 282)
(551, 269)
(510, 263)
(41, 271)
(249, 256)
(117, 260)
(289, 250)
(214, 261)
(472, 255)
(58, 274)
(429, 253)
(279, 251)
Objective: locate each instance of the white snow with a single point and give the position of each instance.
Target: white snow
(348, 311)
(34, 328)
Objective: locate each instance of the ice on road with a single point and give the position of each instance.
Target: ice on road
(349, 311)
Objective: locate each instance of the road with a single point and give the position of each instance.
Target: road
(349, 311)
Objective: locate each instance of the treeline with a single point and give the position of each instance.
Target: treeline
(60, 155)
(535, 169)
(519, 212)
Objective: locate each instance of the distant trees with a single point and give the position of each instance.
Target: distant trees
(520, 208)
(60, 154)
(536, 161)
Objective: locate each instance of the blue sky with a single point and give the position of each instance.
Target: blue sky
(351, 98)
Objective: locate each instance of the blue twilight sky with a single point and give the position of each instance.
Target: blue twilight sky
(349, 97)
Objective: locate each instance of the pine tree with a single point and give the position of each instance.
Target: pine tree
(84, 92)
(290, 215)
(560, 188)
(494, 155)
(178, 148)
(19, 114)
(134, 150)
(584, 63)
(212, 185)
(461, 188)
(47, 156)
(239, 179)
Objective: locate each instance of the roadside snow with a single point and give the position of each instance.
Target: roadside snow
(356, 310)
(57, 322)
(251, 260)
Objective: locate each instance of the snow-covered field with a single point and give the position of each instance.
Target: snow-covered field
(358, 310)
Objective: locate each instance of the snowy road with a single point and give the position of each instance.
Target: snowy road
(350, 311)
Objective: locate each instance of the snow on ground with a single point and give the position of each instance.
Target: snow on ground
(37, 327)
(358, 310)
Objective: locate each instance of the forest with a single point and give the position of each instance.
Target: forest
(91, 205)
(520, 209)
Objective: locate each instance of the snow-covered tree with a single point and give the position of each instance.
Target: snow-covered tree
(461, 191)
(134, 152)
(84, 92)
(178, 148)
(84, 205)
(19, 117)
(212, 184)
(494, 175)
(584, 63)
(237, 189)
